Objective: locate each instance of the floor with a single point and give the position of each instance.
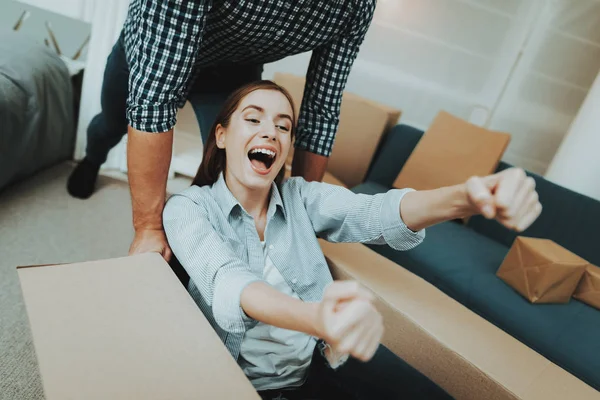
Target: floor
(41, 224)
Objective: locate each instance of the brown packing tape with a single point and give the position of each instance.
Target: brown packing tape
(588, 290)
(450, 152)
(362, 124)
(464, 354)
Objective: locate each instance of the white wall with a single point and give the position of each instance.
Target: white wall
(577, 164)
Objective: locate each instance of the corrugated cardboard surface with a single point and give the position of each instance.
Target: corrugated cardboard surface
(541, 270)
(362, 124)
(125, 329)
(463, 353)
(588, 289)
(450, 152)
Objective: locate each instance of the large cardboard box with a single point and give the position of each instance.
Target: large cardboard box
(125, 329)
(362, 124)
(464, 354)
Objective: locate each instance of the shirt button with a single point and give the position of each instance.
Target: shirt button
(280, 32)
(271, 247)
(294, 281)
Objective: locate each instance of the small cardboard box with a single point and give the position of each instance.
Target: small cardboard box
(541, 270)
(125, 329)
(362, 124)
(457, 349)
(450, 152)
(588, 290)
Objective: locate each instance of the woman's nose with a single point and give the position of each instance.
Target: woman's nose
(269, 132)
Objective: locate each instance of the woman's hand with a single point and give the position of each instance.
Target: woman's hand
(508, 196)
(348, 321)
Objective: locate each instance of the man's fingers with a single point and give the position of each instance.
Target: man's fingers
(167, 254)
(480, 195)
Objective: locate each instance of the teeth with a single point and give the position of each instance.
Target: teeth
(264, 151)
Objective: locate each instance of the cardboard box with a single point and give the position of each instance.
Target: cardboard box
(464, 354)
(588, 290)
(362, 124)
(125, 329)
(541, 270)
(450, 152)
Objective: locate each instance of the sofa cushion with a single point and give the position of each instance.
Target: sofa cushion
(394, 150)
(568, 218)
(450, 152)
(462, 263)
(369, 187)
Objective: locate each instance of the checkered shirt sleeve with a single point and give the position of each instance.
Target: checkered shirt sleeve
(325, 82)
(168, 37)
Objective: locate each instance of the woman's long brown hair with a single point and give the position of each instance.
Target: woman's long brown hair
(214, 159)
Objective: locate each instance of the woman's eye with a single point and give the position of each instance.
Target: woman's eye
(253, 120)
(283, 128)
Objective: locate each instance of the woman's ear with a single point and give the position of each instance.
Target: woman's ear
(220, 136)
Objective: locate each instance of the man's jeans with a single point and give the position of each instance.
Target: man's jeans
(208, 93)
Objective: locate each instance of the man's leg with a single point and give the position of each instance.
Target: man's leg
(212, 87)
(107, 128)
(387, 376)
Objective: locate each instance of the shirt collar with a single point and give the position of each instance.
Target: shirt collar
(228, 202)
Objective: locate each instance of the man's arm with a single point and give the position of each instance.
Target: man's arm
(163, 46)
(148, 161)
(326, 79)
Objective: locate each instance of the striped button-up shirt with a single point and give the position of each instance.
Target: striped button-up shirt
(216, 241)
(167, 42)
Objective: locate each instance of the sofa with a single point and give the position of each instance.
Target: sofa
(462, 259)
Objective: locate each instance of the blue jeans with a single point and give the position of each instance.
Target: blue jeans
(207, 95)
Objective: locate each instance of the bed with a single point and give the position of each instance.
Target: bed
(37, 120)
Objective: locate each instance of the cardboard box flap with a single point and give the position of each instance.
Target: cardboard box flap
(463, 353)
(125, 329)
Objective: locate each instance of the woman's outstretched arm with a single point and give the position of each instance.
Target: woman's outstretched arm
(508, 196)
(346, 317)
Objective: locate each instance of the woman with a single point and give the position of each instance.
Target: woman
(248, 241)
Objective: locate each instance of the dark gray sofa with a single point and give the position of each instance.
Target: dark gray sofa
(462, 260)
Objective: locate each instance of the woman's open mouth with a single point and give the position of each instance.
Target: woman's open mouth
(262, 159)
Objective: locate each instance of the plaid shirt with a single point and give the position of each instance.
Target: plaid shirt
(166, 41)
(215, 240)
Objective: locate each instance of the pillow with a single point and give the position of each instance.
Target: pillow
(362, 124)
(450, 152)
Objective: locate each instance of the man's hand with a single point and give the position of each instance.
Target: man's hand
(348, 321)
(151, 241)
(508, 196)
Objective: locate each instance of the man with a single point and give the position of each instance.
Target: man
(202, 50)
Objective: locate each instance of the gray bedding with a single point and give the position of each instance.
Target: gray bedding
(37, 126)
